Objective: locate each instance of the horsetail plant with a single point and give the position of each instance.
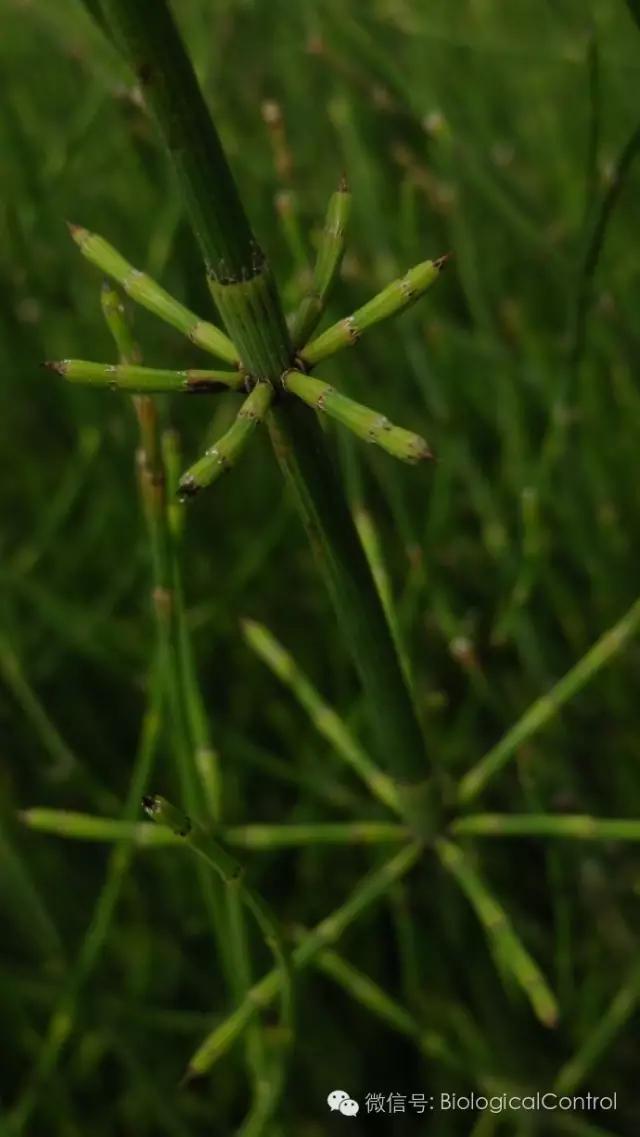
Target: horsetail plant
(271, 360)
(272, 365)
(230, 872)
(327, 266)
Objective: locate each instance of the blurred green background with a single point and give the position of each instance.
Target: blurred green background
(490, 129)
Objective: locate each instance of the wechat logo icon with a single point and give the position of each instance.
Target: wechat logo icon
(339, 1100)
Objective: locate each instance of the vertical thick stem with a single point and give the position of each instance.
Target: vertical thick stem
(250, 307)
(239, 277)
(300, 449)
(148, 37)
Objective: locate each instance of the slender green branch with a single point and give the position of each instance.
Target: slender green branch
(595, 243)
(316, 833)
(231, 873)
(324, 718)
(572, 826)
(328, 261)
(326, 933)
(395, 298)
(362, 989)
(361, 420)
(543, 710)
(150, 295)
(206, 758)
(606, 1030)
(254, 1039)
(146, 380)
(505, 944)
(299, 446)
(369, 538)
(88, 827)
(223, 455)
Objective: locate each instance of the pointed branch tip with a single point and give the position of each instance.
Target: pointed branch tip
(78, 232)
(343, 184)
(442, 261)
(188, 1078)
(58, 365)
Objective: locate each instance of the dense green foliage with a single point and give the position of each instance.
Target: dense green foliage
(492, 131)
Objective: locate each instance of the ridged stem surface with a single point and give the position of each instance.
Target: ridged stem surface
(300, 449)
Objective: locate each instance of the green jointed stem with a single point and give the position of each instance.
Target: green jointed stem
(299, 446)
(88, 827)
(252, 314)
(146, 380)
(224, 454)
(206, 758)
(150, 295)
(330, 253)
(324, 718)
(145, 31)
(239, 277)
(573, 826)
(231, 872)
(609, 1025)
(241, 980)
(323, 833)
(373, 886)
(361, 420)
(370, 540)
(397, 296)
(507, 947)
(362, 989)
(544, 709)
